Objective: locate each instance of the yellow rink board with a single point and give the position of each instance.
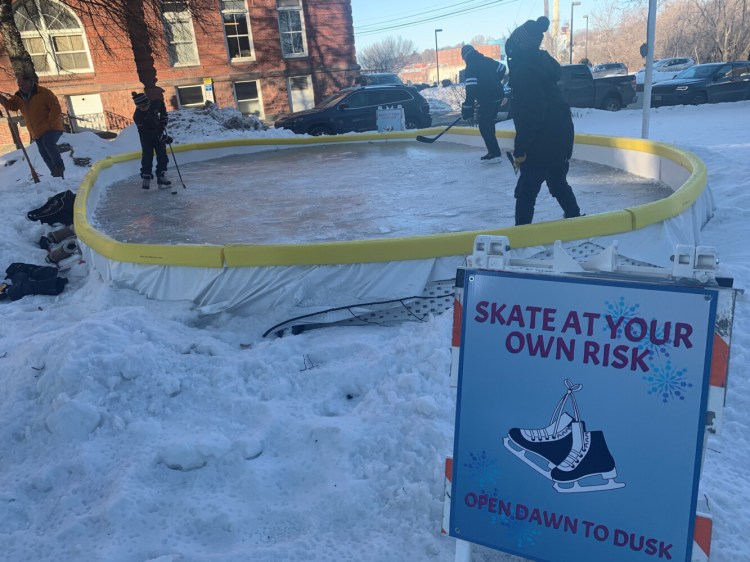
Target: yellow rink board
(394, 249)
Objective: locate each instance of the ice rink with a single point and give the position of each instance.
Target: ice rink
(341, 192)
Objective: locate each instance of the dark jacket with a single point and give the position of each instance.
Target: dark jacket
(483, 79)
(544, 125)
(153, 121)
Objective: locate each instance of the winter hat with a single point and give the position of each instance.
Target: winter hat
(140, 100)
(465, 50)
(527, 37)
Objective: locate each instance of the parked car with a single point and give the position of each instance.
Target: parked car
(378, 78)
(420, 86)
(581, 89)
(609, 69)
(355, 109)
(664, 69)
(705, 83)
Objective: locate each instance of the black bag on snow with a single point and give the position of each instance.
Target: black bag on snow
(28, 279)
(57, 209)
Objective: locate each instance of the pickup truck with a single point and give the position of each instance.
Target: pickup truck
(581, 89)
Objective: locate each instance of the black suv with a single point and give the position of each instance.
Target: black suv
(705, 83)
(355, 109)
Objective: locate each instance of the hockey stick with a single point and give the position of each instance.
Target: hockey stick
(17, 140)
(176, 167)
(509, 154)
(430, 140)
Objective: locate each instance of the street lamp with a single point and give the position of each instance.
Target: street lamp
(437, 62)
(587, 37)
(572, 5)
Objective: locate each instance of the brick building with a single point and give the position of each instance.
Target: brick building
(451, 64)
(260, 56)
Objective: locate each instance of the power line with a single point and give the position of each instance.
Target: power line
(432, 18)
(413, 14)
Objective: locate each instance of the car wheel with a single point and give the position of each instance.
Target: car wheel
(699, 98)
(611, 104)
(318, 130)
(411, 125)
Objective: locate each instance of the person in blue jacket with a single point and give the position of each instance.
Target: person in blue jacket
(544, 125)
(151, 119)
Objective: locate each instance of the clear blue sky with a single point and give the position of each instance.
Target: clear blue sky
(460, 20)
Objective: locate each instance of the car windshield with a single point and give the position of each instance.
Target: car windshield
(700, 71)
(331, 100)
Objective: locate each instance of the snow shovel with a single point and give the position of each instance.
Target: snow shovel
(430, 140)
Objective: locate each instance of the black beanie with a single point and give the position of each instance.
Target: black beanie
(527, 37)
(466, 50)
(140, 100)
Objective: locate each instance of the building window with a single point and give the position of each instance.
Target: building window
(237, 29)
(178, 26)
(248, 98)
(301, 94)
(53, 36)
(292, 28)
(190, 96)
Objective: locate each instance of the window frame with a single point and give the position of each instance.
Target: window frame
(296, 7)
(172, 17)
(47, 36)
(261, 113)
(246, 14)
(181, 105)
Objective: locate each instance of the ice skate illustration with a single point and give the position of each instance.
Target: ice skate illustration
(544, 449)
(576, 460)
(589, 467)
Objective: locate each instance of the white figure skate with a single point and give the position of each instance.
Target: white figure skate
(544, 449)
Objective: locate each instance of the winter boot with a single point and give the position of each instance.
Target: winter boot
(59, 172)
(57, 236)
(146, 181)
(161, 181)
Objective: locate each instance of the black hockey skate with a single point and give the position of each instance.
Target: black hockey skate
(588, 468)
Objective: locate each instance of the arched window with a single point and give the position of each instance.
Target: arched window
(53, 36)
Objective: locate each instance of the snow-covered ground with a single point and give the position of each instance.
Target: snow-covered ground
(136, 430)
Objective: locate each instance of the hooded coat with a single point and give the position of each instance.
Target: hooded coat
(544, 125)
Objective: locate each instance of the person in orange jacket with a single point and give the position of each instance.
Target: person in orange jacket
(43, 116)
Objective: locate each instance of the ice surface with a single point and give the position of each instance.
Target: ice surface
(342, 192)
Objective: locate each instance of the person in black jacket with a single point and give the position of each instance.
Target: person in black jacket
(544, 125)
(484, 87)
(151, 119)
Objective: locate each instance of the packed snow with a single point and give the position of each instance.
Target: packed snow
(137, 430)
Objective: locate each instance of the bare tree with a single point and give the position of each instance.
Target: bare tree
(139, 20)
(20, 60)
(389, 55)
(724, 27)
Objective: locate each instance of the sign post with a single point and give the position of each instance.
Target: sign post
(581, 413)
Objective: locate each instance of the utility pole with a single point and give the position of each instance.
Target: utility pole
(556, 26)
(572, 5)
(437, 61)
(587, 36)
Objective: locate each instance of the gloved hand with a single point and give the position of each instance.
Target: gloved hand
(166, 139)
(467, 111)
(518, 159)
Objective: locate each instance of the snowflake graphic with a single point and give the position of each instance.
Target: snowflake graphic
(521, 532)
(484, 471)
(619, 310)
(661, 346)
(667, 382)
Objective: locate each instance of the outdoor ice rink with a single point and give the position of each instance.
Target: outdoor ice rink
(346, 191)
